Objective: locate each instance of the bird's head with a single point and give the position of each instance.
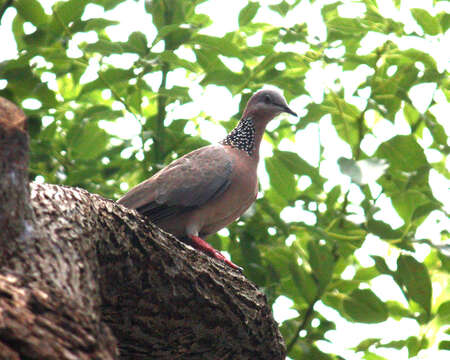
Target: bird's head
(265, 105)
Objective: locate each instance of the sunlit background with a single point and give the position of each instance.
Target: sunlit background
(218, 103)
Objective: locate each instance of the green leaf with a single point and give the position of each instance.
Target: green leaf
(105, 47)
(87, 141)
(372, 356)
(444, 345)
(111, 76)
(98, 24)
(209, 60)
(294, 281)
(411, 114)
(69, 10)
(97, 84)
(437, 131)
(100, 112)
(385, 92)
(315, 113)
(406, 202)
(422, 211)
(32, 11)
(175, 61)
(156, 8)
(329, 11)
(281, 179)
(177, 38)
(428, 23)
(177, 93)
(332, 197)
(223, 77)
(164, 31)
(397, 311)
(381, 265)
(49, 132)
(109, 4)
(396, 344)
(224, 45)
(281, 8)
(415, 345)
(417, 55)
(362, 305)
(383, 230)
(248, 13)
(445, 261)
(366, 344)
(137, 43)
(415, 281)
(297, 165)
(366, 274)
(322, 263)
(304, 282)
(403, 152)
(17, 30)
(346, 26)
(444, 312)
(345, 118)
(445, 21)
(199, 20)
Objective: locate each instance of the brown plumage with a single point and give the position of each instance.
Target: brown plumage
(209, 188)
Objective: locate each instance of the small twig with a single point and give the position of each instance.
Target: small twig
(360, 131)
(343, 209)
(160, 117)
(302, 326)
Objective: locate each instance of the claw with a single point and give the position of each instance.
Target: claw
(202, 245)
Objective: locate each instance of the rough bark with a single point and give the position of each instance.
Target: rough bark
(82, 277)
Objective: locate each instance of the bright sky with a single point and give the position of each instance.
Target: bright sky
(217, 103)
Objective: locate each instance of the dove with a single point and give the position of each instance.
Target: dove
(209, 188)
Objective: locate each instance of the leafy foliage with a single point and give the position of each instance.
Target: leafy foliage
(82, 92)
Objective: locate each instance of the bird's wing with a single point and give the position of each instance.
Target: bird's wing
(186, 183)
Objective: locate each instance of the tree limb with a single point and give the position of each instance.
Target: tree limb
(90, 265)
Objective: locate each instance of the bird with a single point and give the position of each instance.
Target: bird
(209, 188)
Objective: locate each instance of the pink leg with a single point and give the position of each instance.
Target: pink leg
(202, 245)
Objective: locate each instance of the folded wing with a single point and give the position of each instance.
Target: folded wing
(185, 184)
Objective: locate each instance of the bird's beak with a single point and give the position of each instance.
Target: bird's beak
(285, 109)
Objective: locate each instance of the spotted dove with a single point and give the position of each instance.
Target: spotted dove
(209, 188)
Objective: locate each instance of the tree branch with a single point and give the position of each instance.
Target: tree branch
(160, 117)
(303, 325)
(87, 264)
(48, 296)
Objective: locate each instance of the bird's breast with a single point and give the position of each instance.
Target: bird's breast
(228, 207)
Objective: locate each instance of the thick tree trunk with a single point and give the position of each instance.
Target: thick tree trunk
(82, 277)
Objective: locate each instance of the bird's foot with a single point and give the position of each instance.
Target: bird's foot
(202, 245)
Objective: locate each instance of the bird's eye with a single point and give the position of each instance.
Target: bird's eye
(267, 99)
